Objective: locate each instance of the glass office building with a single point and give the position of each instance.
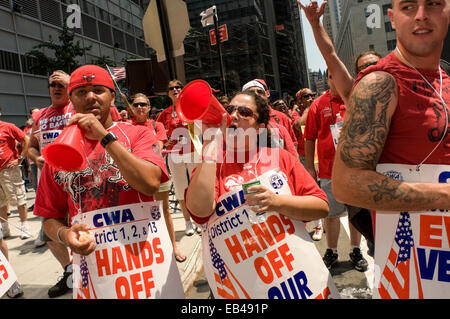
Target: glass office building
(265, 40)
(113, 28)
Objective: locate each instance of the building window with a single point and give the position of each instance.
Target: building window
(371, 47)
(89, 27)
(105, 33)
(391, 44)
(9, 61)
(386, 7)
(388, 26)
(30, 8)
(119, 41)
(4, 3)
(50, 12)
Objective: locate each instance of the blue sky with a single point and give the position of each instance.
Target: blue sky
(315, 59)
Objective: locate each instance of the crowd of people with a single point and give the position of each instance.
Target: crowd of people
(317, 157)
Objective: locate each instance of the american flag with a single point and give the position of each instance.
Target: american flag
(84, 272)
(395, 280)
(118, 73)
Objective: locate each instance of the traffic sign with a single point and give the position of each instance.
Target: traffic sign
(178, 24)
(223, 34)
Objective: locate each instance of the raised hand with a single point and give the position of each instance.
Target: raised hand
(312, 11)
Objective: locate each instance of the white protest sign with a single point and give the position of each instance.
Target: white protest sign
(412, 252)
(7, 275)
(275, 259)
(134, 255)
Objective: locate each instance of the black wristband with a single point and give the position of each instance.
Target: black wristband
(108, 138)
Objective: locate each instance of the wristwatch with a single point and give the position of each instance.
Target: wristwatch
(20, 158)
(108, 138)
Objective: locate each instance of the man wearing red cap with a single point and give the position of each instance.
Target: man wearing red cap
(121, 165)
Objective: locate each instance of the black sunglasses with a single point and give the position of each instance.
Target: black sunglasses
(175, 87)
(242, 110)
(306, 96)
(142, 104)
(362, 67)
(54, 84)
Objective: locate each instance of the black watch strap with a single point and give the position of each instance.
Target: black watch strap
(108, 138)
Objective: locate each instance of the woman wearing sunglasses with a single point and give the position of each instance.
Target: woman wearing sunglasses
(140, 107)
(180, 148)
(256, 260)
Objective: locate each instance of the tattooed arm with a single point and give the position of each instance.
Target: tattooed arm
(366, 127)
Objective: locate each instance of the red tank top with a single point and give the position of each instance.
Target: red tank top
(419, 120)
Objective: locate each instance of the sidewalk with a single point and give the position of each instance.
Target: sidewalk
(37, 270)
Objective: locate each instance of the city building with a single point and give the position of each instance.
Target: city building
(364, 26)
(265, 40)
(318, 81)
(112, 28)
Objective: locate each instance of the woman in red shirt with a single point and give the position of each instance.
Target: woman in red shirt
(140, 107)
(286, 195)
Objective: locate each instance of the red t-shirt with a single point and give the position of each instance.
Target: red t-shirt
(300, 181)
(299, 134)
(9, 134)
(284, 135)
(115, 115)
(282, 119)
(156, 127)
(169, 118)
(321, 115)
(419, 119)
(51, 118)
(100, 184)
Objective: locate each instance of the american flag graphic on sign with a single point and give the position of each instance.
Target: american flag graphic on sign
(118, 73)
(401, 265)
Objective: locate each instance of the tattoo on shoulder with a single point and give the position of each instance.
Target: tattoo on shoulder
(367, 122)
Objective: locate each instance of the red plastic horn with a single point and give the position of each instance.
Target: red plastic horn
(66, 152)
(197, 102)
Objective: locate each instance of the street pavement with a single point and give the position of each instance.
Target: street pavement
(37, 270)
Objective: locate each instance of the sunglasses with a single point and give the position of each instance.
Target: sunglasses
(54, 84)
(307, 96)
(279, 105)
(362, 67)
(243, 111)
(178, 87)
(141, 104)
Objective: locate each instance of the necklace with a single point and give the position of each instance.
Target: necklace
(444, 133)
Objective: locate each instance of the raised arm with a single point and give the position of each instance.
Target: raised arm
(367, 122)
(343, 79)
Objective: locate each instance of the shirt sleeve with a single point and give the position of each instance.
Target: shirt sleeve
(145, 147)
(299, 180)
(311, 124)
(51, 199)
(17, 133)
(160, 132)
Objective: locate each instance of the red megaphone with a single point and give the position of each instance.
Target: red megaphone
(66, 152)
(196, 102)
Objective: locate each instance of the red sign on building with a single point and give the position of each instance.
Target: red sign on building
(223, 33)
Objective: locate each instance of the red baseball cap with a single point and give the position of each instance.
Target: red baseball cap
(90, 75)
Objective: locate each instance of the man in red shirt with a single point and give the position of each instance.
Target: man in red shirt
(48, 123)
(12, 188)
(380, 102)
(113, 175)
(324, 112)
(393, 154)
